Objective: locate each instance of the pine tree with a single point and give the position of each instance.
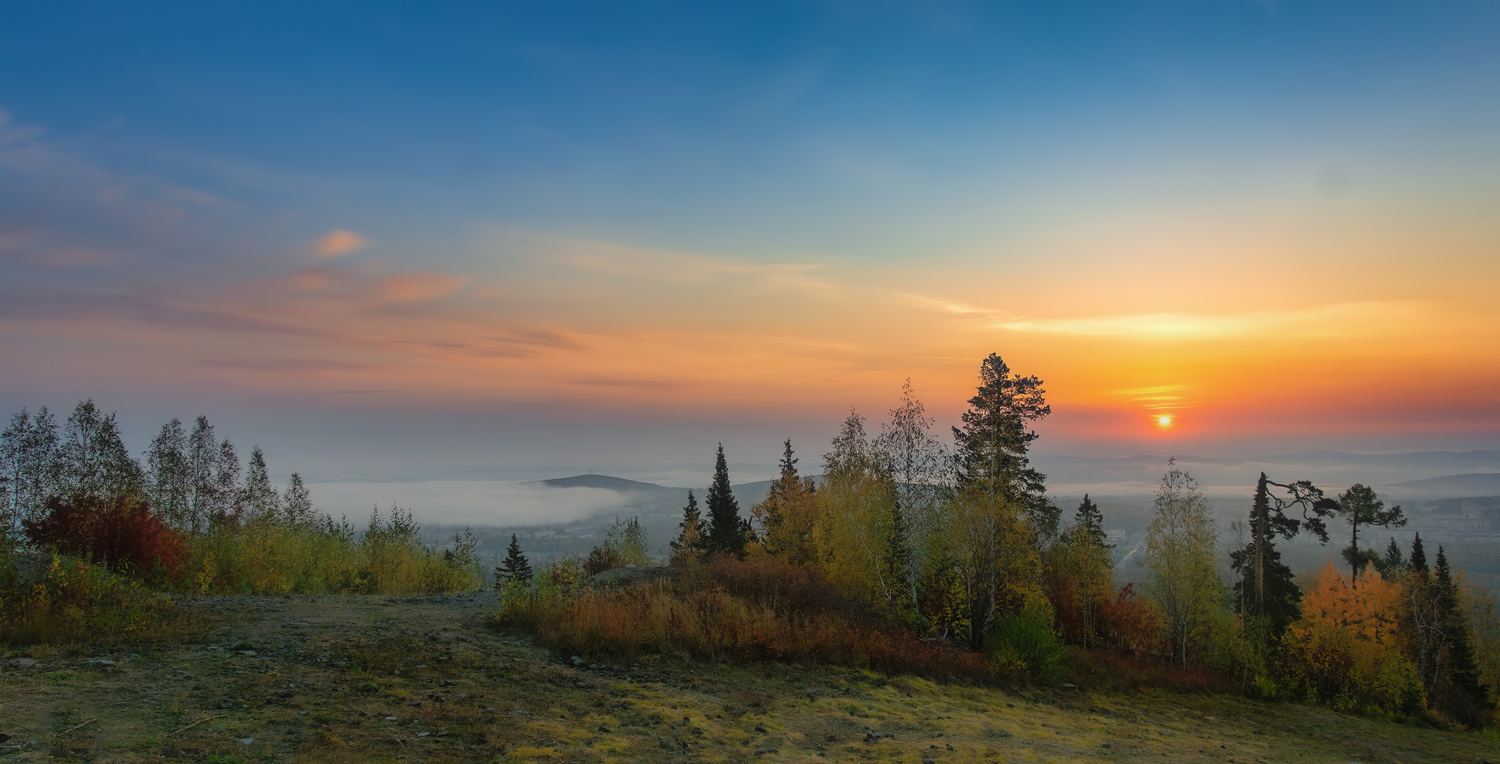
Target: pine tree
(1418, 562)
(1393, 564)
(1360, 506)
(1282, 595)
(726, 531)
(992, 446)
(1455, 665)
(1091, 521)
(688, 547)
(515, 568)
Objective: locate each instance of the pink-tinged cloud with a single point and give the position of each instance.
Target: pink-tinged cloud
(339, 242)
(408, 287)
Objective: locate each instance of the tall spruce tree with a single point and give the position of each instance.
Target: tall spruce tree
(1091, 521)
(726, 531)
(1418, 563)
(991, 447)
(688, 546)
(1455, 665)
(515, 568)
(1393, 564)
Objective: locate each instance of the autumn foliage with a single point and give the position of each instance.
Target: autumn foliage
(734, 610)
(1346, 649)
(121, 534)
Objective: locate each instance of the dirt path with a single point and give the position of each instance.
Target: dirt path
(427, 679)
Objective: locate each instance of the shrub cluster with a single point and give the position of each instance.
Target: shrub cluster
(731, 610)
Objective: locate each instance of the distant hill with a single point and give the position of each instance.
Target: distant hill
(598, 481)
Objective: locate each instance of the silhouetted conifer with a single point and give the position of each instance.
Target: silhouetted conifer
(516, 568)
(726, 531)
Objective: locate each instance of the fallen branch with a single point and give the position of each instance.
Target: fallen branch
(194, 724)
(75, 727)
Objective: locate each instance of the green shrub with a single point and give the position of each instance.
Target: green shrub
(1025, 644)
(76, 601)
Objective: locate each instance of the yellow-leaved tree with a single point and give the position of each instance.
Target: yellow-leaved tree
(1346, 648)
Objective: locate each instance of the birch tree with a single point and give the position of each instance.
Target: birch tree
(1180, 555)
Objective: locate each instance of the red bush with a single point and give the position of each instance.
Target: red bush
(1120, 671)
(1130, 623)
(123, 535)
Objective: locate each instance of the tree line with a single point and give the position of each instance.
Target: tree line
(192, 480)
(963, 543)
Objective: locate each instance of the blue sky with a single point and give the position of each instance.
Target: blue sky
(644, 228)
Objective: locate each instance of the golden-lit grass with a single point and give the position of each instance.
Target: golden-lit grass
(327, 671)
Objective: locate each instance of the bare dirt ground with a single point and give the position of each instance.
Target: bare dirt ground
(428, 679)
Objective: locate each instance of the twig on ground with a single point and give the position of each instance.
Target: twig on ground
(80, 725)
(194, 724)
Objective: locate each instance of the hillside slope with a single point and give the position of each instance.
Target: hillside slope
(356, 679)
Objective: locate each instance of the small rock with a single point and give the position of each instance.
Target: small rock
(577, 661)
(423, 734)
(24, 663)
(248, 653)
(593, 666)
(1068, 686)
(103, 663)
(245, 740)
(390, 718)
(765, 751)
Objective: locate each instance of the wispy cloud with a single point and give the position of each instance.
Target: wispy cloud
(1331, 320)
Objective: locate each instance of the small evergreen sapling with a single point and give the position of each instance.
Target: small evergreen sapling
(516, 568)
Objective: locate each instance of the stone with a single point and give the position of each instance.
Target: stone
(245, 740)
(577, 661)
(25, 663)
(100, 663)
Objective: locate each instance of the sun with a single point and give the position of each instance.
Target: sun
(1164, 421)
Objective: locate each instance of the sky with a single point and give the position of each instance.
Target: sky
(516, 240)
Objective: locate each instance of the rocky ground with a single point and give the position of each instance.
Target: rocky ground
(428, 679)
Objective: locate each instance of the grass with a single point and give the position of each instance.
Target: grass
(328, 671)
